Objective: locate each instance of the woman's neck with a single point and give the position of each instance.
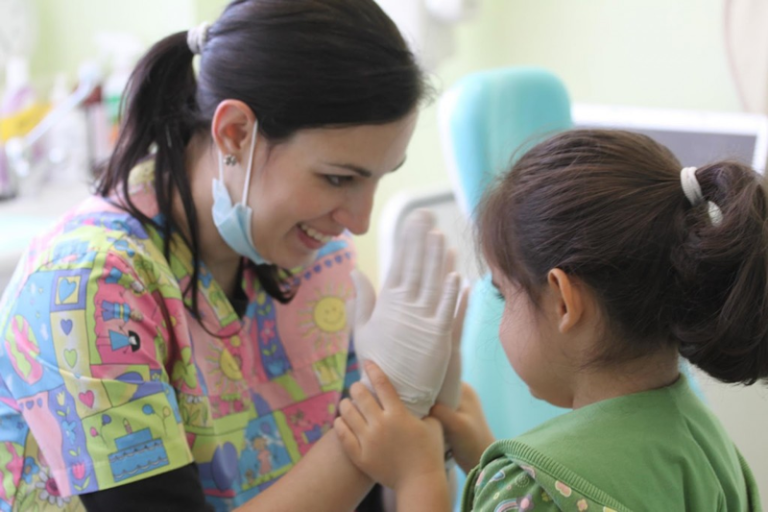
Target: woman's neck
(222, 262)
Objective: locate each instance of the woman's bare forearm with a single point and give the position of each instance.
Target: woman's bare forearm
(324, 480)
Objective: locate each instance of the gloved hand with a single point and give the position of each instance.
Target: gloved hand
(450, 392)
(407, 332)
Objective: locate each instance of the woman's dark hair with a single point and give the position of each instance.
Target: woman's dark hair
(608, 208)
(296, 63)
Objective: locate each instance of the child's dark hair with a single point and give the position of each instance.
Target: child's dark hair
(297, 64)
(608, 208)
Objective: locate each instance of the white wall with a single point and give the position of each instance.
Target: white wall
(744, 414)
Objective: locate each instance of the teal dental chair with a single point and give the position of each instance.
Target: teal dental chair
(485, 120)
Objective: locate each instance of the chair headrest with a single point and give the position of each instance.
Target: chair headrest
(488, 118)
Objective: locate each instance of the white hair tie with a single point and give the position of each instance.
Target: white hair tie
(197, 37)
(692, 190)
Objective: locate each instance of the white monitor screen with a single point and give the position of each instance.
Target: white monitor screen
(696, 138)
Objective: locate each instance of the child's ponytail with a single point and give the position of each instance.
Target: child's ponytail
(721, 316)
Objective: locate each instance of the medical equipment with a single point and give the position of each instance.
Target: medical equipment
(428, 25)
(27, 171)
(695, 137)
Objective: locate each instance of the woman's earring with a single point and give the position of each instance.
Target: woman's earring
(230, 160)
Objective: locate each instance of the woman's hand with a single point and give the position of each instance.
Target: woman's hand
(389, 443)
(466, 429)
(407, 331)
(450, 392)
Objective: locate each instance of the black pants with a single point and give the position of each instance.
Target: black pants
(373, 502)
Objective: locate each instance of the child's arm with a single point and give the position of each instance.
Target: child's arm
(466, 430)
(394, 447)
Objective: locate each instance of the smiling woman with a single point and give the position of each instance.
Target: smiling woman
(180, 340)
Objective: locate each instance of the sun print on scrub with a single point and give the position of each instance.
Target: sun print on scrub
(225, 370)
(325, 316)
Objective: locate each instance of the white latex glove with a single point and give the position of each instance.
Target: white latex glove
(407, 332)
(450, 393)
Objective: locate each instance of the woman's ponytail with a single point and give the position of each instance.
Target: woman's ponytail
(159, 117)
(158, 111)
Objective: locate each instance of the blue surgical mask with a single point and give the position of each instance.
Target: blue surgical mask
(234, 221)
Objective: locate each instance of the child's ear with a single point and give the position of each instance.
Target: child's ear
(568, 299)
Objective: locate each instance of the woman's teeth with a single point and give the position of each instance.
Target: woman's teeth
(313, 233)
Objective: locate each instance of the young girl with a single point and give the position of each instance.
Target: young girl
(612, 262)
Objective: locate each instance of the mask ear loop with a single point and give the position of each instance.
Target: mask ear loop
(250, 161)
(221, 166)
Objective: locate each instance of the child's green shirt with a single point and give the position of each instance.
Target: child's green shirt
(660, 450)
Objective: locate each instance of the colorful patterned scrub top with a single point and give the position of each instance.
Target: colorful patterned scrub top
(108, 378)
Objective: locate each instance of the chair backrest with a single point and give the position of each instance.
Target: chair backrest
(485, 120)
